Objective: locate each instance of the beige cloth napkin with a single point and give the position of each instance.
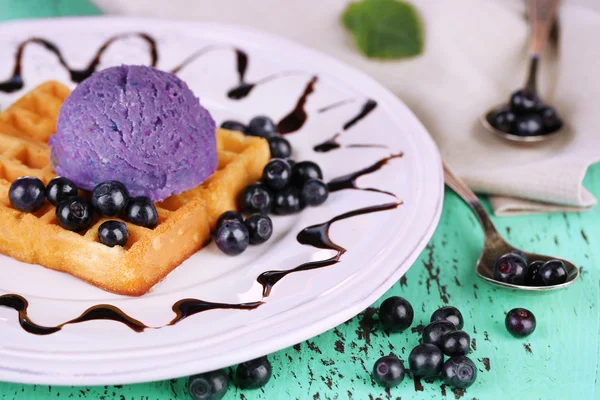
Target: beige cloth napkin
(475, 55)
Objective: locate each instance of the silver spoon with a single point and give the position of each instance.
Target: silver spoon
(495, 246)
(541, 17)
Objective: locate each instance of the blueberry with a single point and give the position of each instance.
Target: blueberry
(388, 371)
(459, 372)
(277, 174)
(113, 233)
(262, 126)
(260, 228)
(532, 276)
(233, 126)
(292, 163)
(256, 198)
(520, 322)
(59, 189)
(227, 215)
(27, 194)
(314, 192)
(456, 343)
(520, 253)
(395, 314)
(232, 237)
(141, 211)
(280, 147)
(435, 331)
(110, 198)
(528, 125)
(510, 268)
(426, 361)
(74, 214)
(287, 201)
(208, 386)
(448, 313)
(303, 171)
(550, 120)
(253, 374)
(553, 273)
(503, 120)
(523, 101)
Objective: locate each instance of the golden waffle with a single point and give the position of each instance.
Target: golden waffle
(185, 220)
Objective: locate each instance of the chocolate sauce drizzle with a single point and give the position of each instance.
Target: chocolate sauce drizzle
(332, 144)
(318, 236)
(244, 88)
(349, 181)
(297, 117)
(183, 309)
(15, 82)
(241, 59)
(336, 105)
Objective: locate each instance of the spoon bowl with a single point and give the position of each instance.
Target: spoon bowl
(485, 121)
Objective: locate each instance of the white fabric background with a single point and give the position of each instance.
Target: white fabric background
(475, 56)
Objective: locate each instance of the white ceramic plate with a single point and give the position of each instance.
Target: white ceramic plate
(381, 246)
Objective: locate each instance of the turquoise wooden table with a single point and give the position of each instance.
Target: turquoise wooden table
(559, 361)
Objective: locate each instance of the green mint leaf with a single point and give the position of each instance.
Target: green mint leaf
(384, 29)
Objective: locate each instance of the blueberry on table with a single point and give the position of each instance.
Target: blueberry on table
(260, 228)
(232, 237)
(303, 171)
(110, 198)
(277, 174)
(280, 147)
(287, 201)
(113, 233)
(74, 214)
(456, 343)
(233, 126)
(228, 215)
(520, 322)
(550, 120)
(59, 189)
(553, 273)
(256, 198)
(426, 361)
(448, 313)
(395, 314)
(523, 101)
(388, 371)
(253, 374)
(314, 192)
(262, 126)
(435, 331)
(459, 372)
(27, 194)
(208, 386)
(528, 125)
(510, 268)
(532, 276)
(141, 211)
(503, 120)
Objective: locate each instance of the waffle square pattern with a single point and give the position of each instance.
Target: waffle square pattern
(185, 220)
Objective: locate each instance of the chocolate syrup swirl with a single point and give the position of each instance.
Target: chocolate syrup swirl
(183, 309)
(332, 144)
(15, 82)
(349, 181)
(318, 236)
(297, 117)
(335, 105)
(241, 59)
(244, 88)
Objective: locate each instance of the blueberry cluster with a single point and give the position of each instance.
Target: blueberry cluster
(75, 213)
(526, 115)
(442, 336)
(514, 268)
(213, 385)
(286, 187)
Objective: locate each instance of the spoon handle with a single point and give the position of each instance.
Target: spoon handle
(541, 17)
(463, 191)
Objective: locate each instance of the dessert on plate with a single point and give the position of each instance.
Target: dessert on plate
(144, 129)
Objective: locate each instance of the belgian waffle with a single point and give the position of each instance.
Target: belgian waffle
(185, 220)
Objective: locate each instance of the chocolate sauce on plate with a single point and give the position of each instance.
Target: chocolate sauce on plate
(297, 117)
(318, 236)
(15, 82)
(332, 144)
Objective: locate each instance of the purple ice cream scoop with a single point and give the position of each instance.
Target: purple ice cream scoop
(137, 125)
